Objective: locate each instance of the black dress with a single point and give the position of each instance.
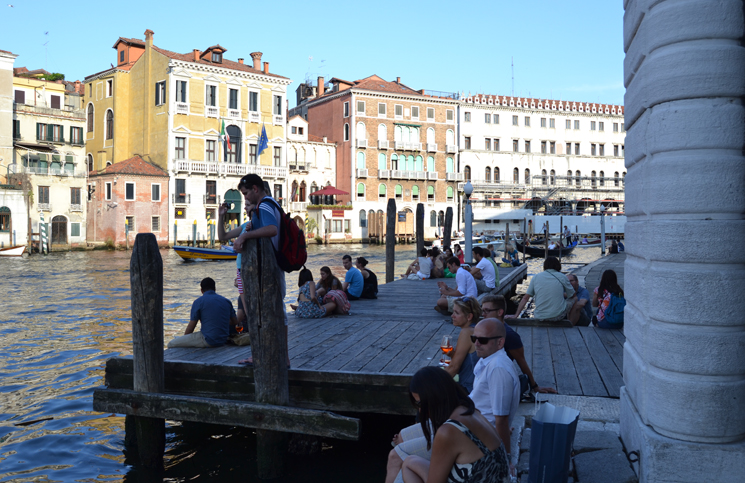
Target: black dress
(370, 286)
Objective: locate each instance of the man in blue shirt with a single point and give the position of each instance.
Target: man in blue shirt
(581, 311)
(353, 281)
(216, 314)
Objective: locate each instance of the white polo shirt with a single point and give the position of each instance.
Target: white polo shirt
(496, 387)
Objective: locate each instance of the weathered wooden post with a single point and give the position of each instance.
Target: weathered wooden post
(419, 228)
(526, 236)
(546, 234)
(390, 241)
(268, 346)
(448, 228)
(506, 241)
(126, 235)
(194, 234)
(561, 234)
(146, 280)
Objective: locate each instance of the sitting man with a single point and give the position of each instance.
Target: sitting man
(496, 394)
(420, 268)
(553, 294)
(485, 272)
(216, 314)
(495, 306)
(581, 312)
(353, 281)
(465, 287)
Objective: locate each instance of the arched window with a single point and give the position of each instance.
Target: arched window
(394, 161)
(360, 160)
(616, 179)
(381, 161)
(419, 164)
(602, 178)
(553, 177)
(623, 178)
(361, 191)
(496, 174)
(577, 178)
(398, 134)
(487, 174)
(544, 179)
(381, 191)
(109, 124)
(313, 188)
(441, 218)
(382, 132)
(90, 117)
(363, 219)
(301, 194)
(569, 177)
(527, 176)
(450, 137)
(5, 219)
(361, 131)
(430, 163)
(89, 160)
(410, 163)
(430, 135)
(430, 193)
(294, 190)
(450, 193)
(593, 179)
(414, 134)
(433, 218)
(449, 165)
(415, 193)
(467, 173)
(516, 176)
(399, 192)
(233, 154)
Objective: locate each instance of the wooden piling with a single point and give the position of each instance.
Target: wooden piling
(448, 230)
(546, 234)
(390, 241)
(561, 235)
(419, 228)
(506, 241)
(146, 279)
(268, 346)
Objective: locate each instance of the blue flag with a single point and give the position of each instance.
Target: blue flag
(263, 141)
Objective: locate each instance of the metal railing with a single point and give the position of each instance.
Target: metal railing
(362, 173)
(76, 207)
(299, 206)
(432, 175)
(47, 171)
(49, 111)
(454, 177)
(382, 144)
(44, 206)
(451, 149)
(211, 199)
(431, 148)
(229, 169)
(362, 143)
(182, 108)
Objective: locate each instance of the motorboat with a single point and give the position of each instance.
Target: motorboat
(196, 253)
(14, 251)
(497, 241)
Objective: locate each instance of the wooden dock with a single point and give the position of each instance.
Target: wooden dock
(363, 362)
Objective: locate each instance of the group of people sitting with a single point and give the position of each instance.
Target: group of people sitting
(470, 281)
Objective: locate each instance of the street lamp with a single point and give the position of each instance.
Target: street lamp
(602, 230)
(468, 190)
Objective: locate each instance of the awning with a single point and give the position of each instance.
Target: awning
(44, 148)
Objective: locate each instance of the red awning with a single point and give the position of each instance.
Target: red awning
(329, 191)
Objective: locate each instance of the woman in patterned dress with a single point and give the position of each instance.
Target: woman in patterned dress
(308, 306)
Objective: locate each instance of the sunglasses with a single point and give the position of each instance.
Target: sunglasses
(484, 340)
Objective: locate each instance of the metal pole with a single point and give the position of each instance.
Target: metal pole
(602, 230)
(561, 234)
(506, 241)
(526, 238)
(175, 233)
(194, 233)
(546, 234)
(469, 228)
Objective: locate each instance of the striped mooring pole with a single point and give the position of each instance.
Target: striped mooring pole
(43, 231)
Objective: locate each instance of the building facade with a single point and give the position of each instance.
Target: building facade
(551, 156)
(392, 142)
(198, 116)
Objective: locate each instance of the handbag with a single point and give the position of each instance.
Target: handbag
(551, 439)
(240, 339)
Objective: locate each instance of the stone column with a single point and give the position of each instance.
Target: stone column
(683, 406)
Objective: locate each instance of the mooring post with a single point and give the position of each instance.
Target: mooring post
(268, 346)
(546, 234)
(146, 280)
(390, 241)
(175, 233)
(506, 241)
(448, 228)
(561, 234)
(419, 228)
(126, 235)
(194, 233)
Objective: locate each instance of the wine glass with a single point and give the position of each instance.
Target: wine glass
(446, 345)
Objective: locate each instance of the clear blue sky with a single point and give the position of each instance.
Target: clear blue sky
(568, 49)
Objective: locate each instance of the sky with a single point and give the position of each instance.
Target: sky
(561, 49)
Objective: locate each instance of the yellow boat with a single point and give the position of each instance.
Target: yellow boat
(192, 253)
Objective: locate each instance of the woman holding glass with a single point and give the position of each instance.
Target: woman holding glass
(466, 313)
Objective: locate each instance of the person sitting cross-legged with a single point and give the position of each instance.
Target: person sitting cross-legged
(466, 287)
(216, 314)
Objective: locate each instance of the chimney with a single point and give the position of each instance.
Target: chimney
(256, 56)
(398, 80)
(266, 67)
(149, 36)
(197, 53)
(240, 61)
(325, 139)
(321, 88)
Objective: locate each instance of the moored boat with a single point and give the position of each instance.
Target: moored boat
(14, 251)
(196, 253)
(540, 251)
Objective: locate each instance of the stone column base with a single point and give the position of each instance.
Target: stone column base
(663, 459)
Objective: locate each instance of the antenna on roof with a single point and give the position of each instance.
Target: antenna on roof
(513, 76)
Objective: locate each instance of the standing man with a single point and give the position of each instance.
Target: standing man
(216, 314)
(353, 281)
(485, 272)
(465, 287)
(553, 294)
(567, 235)
(581, 312)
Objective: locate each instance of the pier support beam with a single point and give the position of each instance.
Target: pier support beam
(419, 228)
(390, 241)
(684, 366)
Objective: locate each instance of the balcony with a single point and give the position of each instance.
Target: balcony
(254, 116)
(234, 113)
(384, 173)
(44, 206)
(412, 146)
(382, 144)
(182, 108)
(454, 177)
(228, 169)
(362, 173)
(211, 200)
(76, 207)
(361, 143)
(299, 206)
(278, 120)
(398, 145)
(48, 111)
(180, 199)
(483, 185)
(211, 111)
(432, 175)
(431, 148)
(47, 171)
(451, 149)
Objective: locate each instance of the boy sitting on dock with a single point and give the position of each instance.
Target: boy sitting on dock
(420, 268)
(466, 287)
(216, 314)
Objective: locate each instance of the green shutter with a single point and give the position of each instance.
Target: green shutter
(74, 229)
(381, 161)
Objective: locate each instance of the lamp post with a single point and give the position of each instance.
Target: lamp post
(602, 230)
(468, 190)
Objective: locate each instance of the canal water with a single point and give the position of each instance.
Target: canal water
(64, 314)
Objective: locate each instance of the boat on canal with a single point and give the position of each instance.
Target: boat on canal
(540, 251)
(197, 253)
(14, 251)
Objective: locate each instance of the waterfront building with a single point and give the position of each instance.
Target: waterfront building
(170, 109)
(126, 198)
(49, 155)
(312, 166)
(554, 157)
(392, 142)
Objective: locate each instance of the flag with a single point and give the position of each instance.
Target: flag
(225, 136)
(263, 141)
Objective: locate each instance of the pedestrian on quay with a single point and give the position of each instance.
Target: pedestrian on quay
(216, 315)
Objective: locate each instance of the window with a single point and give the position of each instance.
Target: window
(381, 109)
(623, 128)
(277, 105)
(360, 160)
(448, 114)
(155, 192)
(615, 150)
(496, 174)
(346, 109)
(129, 191)
(160, 93)
(516, 176)
(515, 146)
(129, 221)
(496, 145)
(43, 194)
(433, 218)
(415, 193)
(615, 127)
(346, 132)
(363, 218)
(430, 193)
(294, 130)
(543, 147)
(414, 112)
(487, 174)
(544, 178)
(495, 118)
(487, 118)
(74, 196)
(76, 135)
(593, 179)
(577, 178)
(277, 156)
(232, 98)
(569, 124)
(121, 56)
(592, 149)
(592, 125)
(398, 111)
(569, 148)
(552, 147)
(467, 116)
(449, 165)
(109, 87)
(527, 146)
(155, 224)
(109, 124)
(253, 101)
(74, 229)
(514, 120)
(576, 124)
(180, 195)
(553, 177)
(300, 131)
(20, 97)
(180, 148)
(576, 149)
(552, 123)
(467, 142)
(107, 195)
(89, 158)
(399, 192)
(381, 191)
(601, 149)
(487, 144)
(5, 219)
(601, 126)
(527, 176)
(210, 191)
(57, 136)
(90, 118)
(543, 122)
(527, 121)
(211, 96)
(210, 153)
(55, 102)
(360, 107)
(179, 213)
(449, 193)
(602, 178)
(381, 161)
(180, 91)
(217, 57)
(615, 179)
(467, 173)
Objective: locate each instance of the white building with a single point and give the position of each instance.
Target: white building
(563, 157)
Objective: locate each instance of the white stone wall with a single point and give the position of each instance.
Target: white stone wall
(16, 203)
(684, 363)
(6, 110)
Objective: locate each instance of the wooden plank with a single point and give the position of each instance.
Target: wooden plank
(525, 322)
(350, 337)
(620, 336)
(412, 348)
(223, 411)
(606, 367)
(379, 361)
(430, 353)
(542, 368)
(614, 348)
(589, 378)
(376, 347)
(345, 356)
(567, 381)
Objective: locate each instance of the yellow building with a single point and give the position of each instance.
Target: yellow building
(170, 109)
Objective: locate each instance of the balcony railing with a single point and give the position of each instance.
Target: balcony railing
(211, 199)
(384, 173)
(234, 113)
(76, 207)
(65, 112)
(398, 145)
(362, 173)
(278, 120)
(180, 199)
(44, 206)
(212, 111)
(431, 148)
(362, 143)
(454, 177)
(229, 169)
(382, 144)
(182, 108)
(254, 116)
(412, 146)
(299, 206)
(450, 149)
(480, 184)
(48, 171)
(432, 175)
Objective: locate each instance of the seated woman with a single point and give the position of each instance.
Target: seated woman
(324, 284)
(370, 285)
(513, 256)
(309, 307)
(601, 298)
(465, 446)
(438, 263)
(466, 313)
(458, 252)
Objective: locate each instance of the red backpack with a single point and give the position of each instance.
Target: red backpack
(292, 253)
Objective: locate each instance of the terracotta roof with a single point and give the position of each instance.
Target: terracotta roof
(134, 165)
(7, 52)
(129, 41)
(19, 70)
(318, 139)
(374, 83)
(228, 64)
